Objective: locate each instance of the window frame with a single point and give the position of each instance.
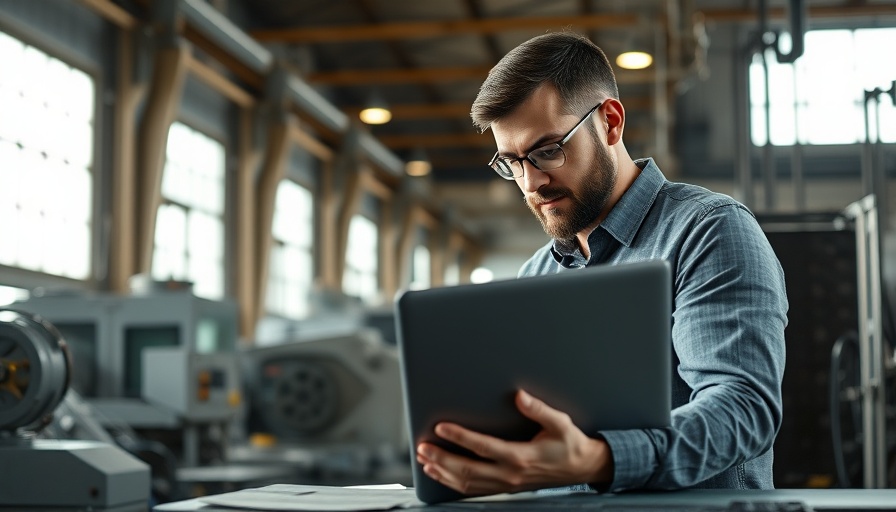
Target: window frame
(799, 105)
(100, 171)
(225, 214)
(377, 273)
(312, 248)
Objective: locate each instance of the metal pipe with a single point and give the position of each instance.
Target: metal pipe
(796, 170)
(876, 378)
(221, 31)
(742, 116)
(796, 163)
(381, 156)
(870, 341)
(768, 154)
(874, 179)
(797, 16)
(310, 101)
(879, 173)
(763, 17)
(864, 343)
(313, 103)
(867, 154)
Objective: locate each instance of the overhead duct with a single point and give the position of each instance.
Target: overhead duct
(220, 30)
(797, 14)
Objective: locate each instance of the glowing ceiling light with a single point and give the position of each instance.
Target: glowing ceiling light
(418, 164)
(634, 60)
(375, 115)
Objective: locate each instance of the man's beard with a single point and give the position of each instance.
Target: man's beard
(597, 186)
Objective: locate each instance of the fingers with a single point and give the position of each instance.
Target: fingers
(507, 452)
(485, 446)
(508, 466)
(498, 473)
(543, 414)
(465, 475)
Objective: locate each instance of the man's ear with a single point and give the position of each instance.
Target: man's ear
(613, 120)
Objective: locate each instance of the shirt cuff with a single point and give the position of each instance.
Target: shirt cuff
(634, 458)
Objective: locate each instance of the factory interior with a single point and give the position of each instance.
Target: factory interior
(214, 203)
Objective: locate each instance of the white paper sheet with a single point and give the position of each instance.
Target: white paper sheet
(286, 497)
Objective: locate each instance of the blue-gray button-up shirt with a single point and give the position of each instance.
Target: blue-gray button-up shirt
(728, 319)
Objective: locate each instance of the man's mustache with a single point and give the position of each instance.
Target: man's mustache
(548, 195)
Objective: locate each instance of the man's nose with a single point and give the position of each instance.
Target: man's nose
(533, 177)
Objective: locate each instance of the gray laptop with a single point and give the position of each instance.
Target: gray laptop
(594, 343)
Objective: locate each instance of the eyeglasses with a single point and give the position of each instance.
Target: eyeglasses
(545, 158)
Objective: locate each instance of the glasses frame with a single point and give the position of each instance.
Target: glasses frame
(497, 161)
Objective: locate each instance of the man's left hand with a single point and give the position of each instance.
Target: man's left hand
(560, 454)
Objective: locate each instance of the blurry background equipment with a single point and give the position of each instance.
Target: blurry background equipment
(332, 313)
(336, 400)
(43, 474)
(163, 362)
(839, 337)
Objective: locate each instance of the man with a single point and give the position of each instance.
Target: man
(553, 107)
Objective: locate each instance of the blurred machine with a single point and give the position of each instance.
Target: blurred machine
(43, 474)
(839, 387)
(333, 314)
(332, 404)
(163, 362)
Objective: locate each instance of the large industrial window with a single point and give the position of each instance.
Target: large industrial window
(189, 239)
(46, 161)
(361, 260)
(420, 268)
(820, 98)
(292, 270)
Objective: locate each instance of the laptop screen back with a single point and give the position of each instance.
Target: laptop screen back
(594, 343)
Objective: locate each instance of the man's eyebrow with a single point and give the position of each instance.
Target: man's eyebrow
(541, 141)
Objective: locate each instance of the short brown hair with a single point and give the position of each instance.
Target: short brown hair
(578, 68)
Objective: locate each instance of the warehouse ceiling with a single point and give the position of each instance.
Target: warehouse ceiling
(426, 60)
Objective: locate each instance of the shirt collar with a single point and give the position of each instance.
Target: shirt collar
(630, 211)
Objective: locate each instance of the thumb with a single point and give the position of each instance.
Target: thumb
(540, 412)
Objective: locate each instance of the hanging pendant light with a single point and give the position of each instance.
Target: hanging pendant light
(636, 52)
(634, 59)
(418, 164)
(375, 111)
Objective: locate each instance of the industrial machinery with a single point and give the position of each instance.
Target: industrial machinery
(839, 425)
(45, 474)
(334, 401)
(163, 362)
(333, 314)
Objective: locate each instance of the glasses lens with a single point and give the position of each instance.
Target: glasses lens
(548, 157)
(503, 168)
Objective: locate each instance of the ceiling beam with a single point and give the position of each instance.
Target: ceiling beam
(415, 111)
(421, 111)
(456, 140)
(428, 75)
(491, 42)
(112, 12)
(397, 76)
(426, 29)
(815, 12)
(398, 49)
(444, 140)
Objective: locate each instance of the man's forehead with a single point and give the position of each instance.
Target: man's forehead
(536, 120)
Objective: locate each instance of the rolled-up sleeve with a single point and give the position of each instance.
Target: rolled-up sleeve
(730, 310)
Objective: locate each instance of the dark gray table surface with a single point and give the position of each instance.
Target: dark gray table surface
(780, 500)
